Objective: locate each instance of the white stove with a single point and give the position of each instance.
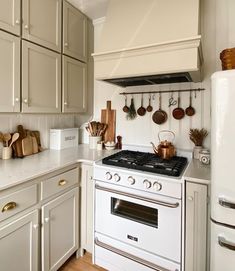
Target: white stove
(138, 219)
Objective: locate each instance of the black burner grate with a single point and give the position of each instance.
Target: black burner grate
(147, 162)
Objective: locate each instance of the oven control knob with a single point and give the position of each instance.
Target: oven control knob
(157, 186)
(108, 176)
(147, 184)
(131, 180)
(116, 177)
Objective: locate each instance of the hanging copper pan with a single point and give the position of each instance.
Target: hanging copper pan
(159, 116)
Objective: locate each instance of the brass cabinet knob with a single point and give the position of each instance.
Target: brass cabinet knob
(9, 206)
(62, 182)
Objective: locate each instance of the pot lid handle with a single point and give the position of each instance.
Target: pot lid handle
(161, 133)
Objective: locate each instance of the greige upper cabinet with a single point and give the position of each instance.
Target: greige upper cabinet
(9, 72)
(10, 16)
(41, 79)
(75, 33)
(60, 230)
(42, 22)
(19, 244)
(74, 86)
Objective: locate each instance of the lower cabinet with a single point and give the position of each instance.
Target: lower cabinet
(196, 227)
(87, 208)
(59, 230)
(19, 244)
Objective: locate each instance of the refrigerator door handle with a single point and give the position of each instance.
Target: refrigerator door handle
(223, 202)
(226, 244)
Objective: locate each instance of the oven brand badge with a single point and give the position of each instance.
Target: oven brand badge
(132, 238)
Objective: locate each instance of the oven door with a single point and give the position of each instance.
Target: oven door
(146, 221)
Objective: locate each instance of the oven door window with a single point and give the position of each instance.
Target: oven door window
(139, 213)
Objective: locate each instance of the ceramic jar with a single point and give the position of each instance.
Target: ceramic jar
(93, 140)
(6, 153)
(196, 151)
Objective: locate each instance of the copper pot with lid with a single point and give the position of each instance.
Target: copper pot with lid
(165, 149)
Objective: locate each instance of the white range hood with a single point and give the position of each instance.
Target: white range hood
(150, 42)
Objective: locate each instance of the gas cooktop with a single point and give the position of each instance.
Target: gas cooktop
(147, 162)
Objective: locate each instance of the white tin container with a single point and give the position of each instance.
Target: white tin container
(63, 138)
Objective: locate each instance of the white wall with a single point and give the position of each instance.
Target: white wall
(142, 130)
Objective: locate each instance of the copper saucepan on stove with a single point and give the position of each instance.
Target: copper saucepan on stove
(165, 149)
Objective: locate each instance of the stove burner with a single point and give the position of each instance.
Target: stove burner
(147, 162)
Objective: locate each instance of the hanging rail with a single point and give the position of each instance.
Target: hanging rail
(163, 91)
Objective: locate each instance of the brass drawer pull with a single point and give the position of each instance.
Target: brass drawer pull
(9, 206)
(62, 182)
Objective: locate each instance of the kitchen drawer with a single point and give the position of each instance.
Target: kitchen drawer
(17, 201)
(58, 183)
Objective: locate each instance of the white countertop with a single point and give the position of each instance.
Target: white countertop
(16, 171)
(197, 172)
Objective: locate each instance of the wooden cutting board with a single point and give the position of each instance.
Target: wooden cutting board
(27, 145)
(108, 116)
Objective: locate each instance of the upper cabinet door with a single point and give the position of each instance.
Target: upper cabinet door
(74, 86)
(42, 22)
(41, 79)
(9, 73)
(10, 16)
(75, 33)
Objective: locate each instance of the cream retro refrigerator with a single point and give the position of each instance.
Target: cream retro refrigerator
(223, 172)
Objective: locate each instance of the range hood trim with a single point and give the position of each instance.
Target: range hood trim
(191, 42)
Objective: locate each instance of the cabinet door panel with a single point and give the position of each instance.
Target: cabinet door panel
(9, 73)
(196, 227)
(19, 244)
(74, 85)
(60, 230)
(10, 16)
(42, 22)
(41, 79)
(87, 208)
(75, 32)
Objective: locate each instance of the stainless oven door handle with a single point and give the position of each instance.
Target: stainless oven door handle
(226, 244)
(227, 204)
(163, 203)
(130, 256)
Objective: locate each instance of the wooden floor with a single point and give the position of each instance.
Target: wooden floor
(82, 264)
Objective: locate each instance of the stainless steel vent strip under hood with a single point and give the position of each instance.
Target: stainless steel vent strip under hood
(151, 80)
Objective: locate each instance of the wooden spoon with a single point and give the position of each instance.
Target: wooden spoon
(14, 138)
(190, 111)
(6, 138)
(149, 107)
(1, 137)
(141, 110)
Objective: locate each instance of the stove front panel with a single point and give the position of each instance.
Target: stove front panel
(152, 224)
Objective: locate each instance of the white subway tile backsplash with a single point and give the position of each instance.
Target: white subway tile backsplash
(40, 122)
